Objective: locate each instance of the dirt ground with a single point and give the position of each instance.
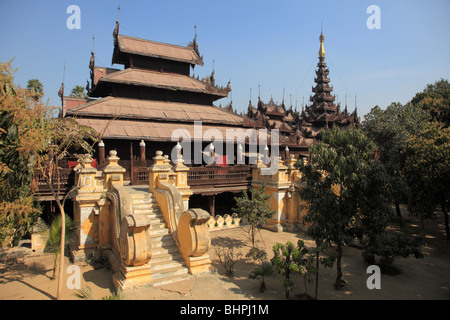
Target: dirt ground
(26, 276)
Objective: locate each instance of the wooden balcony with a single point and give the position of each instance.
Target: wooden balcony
(216, 179)
(206, 179)
(42, 190)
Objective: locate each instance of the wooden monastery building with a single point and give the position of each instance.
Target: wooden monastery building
(139, 108)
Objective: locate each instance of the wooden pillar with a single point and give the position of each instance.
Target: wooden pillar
(131, 163)
(239, 155)
(266, 154)
(142, 150)
(101, 151)
(212, 205)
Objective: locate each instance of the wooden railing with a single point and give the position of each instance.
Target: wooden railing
(203, 176)
(137, 173)
(217, 175)
(42, 189)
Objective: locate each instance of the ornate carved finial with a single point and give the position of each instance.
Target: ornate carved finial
(116, 30)
(322, 39)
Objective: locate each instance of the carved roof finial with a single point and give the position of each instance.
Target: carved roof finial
(322, 39)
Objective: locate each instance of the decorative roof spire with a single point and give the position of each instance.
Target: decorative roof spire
(322, 49)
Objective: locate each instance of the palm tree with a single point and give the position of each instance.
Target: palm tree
(78, 91)
(53, 244)
(261, 272)
(86, 294)
(36, 87)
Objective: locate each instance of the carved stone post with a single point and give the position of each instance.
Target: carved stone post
(113, 171)
(158, 168)
(113, 175)
(142, 150)
(181, 181)
(89, 206)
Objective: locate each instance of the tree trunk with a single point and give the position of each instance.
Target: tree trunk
(397, 210)
(287, 276)
(287, 289)
(317, 274)
(338, 283)
(252, 230)
(61, 253)
(445, 212)
(262, 287)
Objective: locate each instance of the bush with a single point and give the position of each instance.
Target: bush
(261, 272)
(228, 259)
(16, 220)
(389, 246)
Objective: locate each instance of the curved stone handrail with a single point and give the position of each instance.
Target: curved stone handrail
(131, 237)
(171, 204)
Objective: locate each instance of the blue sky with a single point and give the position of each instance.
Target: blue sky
(273, 44)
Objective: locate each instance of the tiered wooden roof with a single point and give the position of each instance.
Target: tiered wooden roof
(154, 95)
(129, 45)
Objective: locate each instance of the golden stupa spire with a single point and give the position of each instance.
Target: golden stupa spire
(322, 49)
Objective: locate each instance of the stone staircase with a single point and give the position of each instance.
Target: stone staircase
(167, 264)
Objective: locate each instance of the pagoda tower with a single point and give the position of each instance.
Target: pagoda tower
(323, 106)
(323, 113)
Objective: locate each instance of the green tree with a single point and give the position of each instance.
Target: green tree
(427, 170)
(36, 89)
(78, 91)
(339, 168)
(347, 194)
(435, 99)
(337, 164)
(254, 210)
(21, 136)
(285, 262)
(390, 129)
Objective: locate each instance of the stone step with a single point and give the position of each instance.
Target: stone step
(167, 264)
(162, 237)
(163, 265)
(155, 219)
(155, 232)
(167, 270)
(146, 206)
(157, 224)
(165, 257)
(139, 198)
(170, 279)
(144, 194)
(152, 215)
(157, 250)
